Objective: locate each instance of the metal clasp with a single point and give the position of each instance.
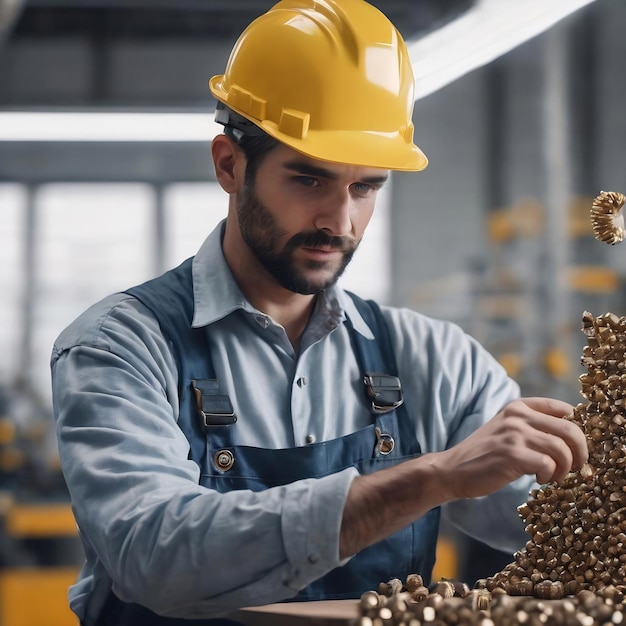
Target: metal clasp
(214, 408)
(384, 442)
(384, 391)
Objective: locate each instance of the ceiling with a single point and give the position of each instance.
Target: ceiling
(223, 19)
(87, 54)
(159, 54)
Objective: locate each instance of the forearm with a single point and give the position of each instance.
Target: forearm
(527, 437)
(381, 503)
(217, 552)
(213, 552)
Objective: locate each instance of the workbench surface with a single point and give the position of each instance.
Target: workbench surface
(322, 613)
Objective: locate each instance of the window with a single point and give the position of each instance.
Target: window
(192, 211)
(12, 270)
(93, 240)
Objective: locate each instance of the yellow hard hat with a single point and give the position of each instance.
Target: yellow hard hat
(331, 79)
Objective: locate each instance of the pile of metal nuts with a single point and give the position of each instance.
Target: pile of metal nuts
(480, 607)
(572, 569)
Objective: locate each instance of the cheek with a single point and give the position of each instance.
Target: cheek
(273, 196)
(361, 218)
(289, 212)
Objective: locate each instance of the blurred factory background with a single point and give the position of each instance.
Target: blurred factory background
(494, 235)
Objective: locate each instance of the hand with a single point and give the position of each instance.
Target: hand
(528, 436)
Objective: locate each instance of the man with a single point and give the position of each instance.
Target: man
(242, 431)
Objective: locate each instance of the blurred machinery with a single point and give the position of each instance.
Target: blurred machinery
(39, 546)
(508, 320)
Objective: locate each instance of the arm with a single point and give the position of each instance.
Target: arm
(526, 437)
(454, 388)
(147, 523)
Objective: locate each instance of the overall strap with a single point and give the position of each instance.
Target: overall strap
(170, 299)
(378, 362)
(379, 353)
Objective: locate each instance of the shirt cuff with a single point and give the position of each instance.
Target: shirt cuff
(311, 523)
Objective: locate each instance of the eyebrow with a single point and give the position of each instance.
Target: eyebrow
(302, 167)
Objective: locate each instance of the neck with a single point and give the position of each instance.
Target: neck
(289, 309)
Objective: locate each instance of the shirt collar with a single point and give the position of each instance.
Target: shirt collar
(216, 293)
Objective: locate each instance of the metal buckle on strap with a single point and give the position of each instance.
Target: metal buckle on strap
(384, 442)
(214, 408)
(384, 391)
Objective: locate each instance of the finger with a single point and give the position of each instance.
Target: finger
(560, 459)
(546, 471)
(534, 461)
(549, 406)
(567, 432)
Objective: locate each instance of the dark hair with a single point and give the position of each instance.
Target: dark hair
(255, 147)
(254, 141)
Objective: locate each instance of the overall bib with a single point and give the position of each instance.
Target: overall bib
(388, 440)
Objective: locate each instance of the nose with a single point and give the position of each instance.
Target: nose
(334, 214)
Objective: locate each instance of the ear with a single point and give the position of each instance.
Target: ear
(230, 163)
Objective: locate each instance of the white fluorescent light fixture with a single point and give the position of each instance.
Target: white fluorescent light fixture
(482, 34)
(82, 126)
(485, 32)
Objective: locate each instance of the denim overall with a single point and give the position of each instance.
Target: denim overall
(411, 550)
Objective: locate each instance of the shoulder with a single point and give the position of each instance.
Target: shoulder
(111, 321)
(409, 330)
(447, 374)
(414, 328)
(423, 343)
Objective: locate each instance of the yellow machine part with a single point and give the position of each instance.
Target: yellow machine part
(30, 596)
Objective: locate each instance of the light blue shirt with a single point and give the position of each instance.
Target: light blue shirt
(153, 534)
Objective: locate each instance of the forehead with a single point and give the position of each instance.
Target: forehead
(287, 159)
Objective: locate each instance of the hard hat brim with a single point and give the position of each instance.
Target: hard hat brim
(362, 148)
(385, 150)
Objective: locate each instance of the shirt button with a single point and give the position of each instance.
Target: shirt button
(289, 580)
(262, 321)
(302, 381)
(310, 439)
(314, 558)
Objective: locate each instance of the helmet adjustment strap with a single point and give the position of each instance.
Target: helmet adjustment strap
(235, 125)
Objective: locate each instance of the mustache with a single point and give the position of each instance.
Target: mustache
(320, 239)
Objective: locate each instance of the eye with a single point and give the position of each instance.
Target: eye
(364, 189)
(307, 181)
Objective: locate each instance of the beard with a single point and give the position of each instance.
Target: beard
(262, 234)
